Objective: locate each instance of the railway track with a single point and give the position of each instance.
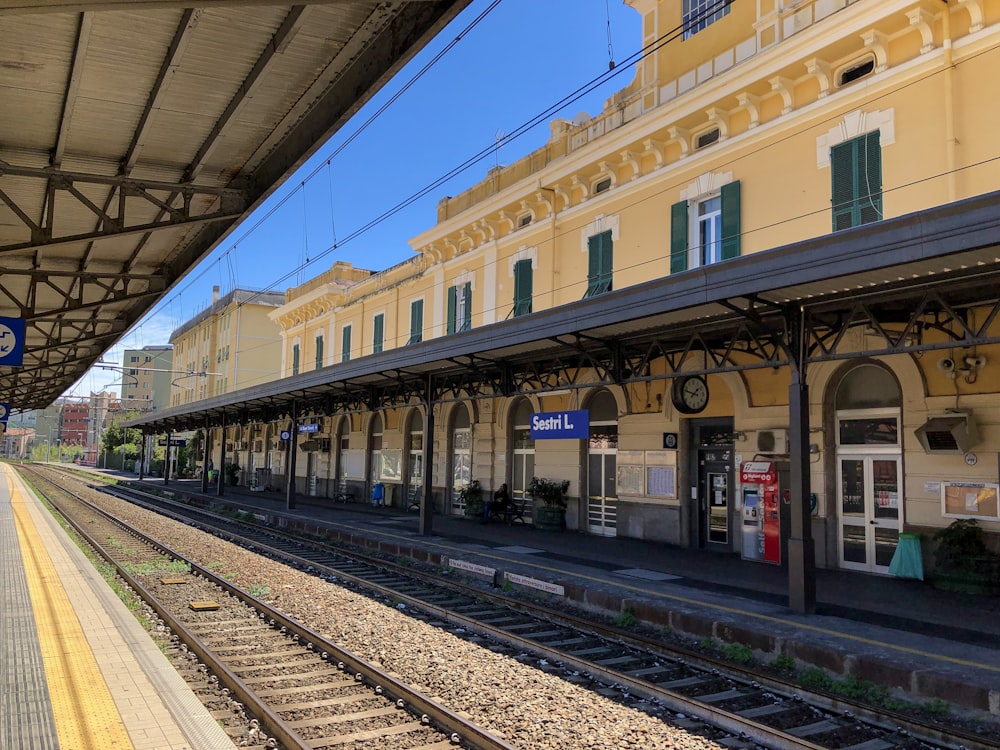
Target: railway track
(752, 709)
(292, 687)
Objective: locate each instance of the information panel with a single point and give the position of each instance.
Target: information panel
(970, 500)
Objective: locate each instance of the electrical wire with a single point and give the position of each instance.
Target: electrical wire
(648, 49)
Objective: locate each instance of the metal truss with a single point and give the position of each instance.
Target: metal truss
(131, 196)
(78, 290)
(958, 312)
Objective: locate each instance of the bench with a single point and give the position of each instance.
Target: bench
(343, 494)
(513, 511)
(413, 496)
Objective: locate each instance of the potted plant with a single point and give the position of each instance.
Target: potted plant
(550, 503)
(471, 495)
(962, 562)
(233, 474)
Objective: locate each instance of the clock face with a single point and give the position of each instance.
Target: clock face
(690, 394)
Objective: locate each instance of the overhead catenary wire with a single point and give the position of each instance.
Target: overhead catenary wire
(652, 47)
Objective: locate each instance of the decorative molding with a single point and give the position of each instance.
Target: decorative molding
(654, 148)
(920, 19)
(681, 136)
(601, 223)
(705, 185)
(784, 87)
(855, 124)
(877, 43)
(820, 70)
(751, 104)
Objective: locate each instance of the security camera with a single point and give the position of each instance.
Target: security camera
(946, 365)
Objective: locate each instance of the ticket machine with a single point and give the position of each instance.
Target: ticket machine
(761, 528)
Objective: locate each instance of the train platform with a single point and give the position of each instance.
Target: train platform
(900, 633)
(76, 668)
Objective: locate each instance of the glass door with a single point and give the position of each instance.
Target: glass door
(602, 490)
(870, 510)
(602, 500)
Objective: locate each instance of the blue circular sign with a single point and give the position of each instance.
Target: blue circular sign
(286, 434)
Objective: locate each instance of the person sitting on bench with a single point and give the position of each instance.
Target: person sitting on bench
(499, 505)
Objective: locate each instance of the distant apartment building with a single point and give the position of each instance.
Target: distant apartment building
(75, 420)
(146, 376)
(232, 344)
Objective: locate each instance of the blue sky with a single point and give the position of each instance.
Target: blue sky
(522, 58)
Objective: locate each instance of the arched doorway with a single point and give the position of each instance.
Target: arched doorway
(602, 456)
(461, 455)
(414, 455)
(522, 458)
(868, 417)
(374, 452)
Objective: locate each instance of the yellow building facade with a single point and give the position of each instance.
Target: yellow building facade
(231, 345)
(748, 126)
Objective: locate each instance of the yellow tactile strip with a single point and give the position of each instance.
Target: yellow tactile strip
(84, 711)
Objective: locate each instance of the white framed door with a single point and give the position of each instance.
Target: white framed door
(870, 509)
(602, 497)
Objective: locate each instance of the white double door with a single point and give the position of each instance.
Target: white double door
(870, 505)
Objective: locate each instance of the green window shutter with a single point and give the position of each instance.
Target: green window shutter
(679, 237)
(295, 359)
(452, 306)
(731, 220)
(600, 264)
(467, 314)
(378, 333)
(319, 352)
(607, 261)
(844, 190)
(416, 321)
(345, 348)
(522, 287)
(870, 178)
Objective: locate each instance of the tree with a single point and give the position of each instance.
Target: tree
(116, 435)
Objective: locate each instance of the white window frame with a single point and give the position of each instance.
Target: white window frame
(705, 253)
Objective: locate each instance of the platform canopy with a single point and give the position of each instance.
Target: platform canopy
(908, 282)
(136, 134)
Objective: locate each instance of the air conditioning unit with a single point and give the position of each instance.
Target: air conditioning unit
(954, 433)
(772, 441)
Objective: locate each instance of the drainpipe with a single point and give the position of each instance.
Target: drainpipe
(552, 285)
(951, 142)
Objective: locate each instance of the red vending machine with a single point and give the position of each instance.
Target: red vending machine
(761, 511)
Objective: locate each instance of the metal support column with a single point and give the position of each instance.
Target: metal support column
(166, 460)
(219, 490)
(293, 440)
(427, 501)
(206, 456)
(801, 547)
(142, 455)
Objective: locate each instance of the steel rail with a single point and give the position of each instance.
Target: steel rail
(439, 715)
(877, 717)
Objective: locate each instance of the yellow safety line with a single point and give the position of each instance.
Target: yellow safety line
(708, 605)
(85, 714)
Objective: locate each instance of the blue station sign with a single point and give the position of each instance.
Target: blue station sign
(311, 427)
(4, 413)
(11, 342)
(560, 425)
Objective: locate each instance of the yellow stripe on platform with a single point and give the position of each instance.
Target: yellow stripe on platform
(85, 714)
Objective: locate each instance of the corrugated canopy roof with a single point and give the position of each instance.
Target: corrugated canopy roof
(137, 134)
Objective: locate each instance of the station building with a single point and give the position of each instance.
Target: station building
(229, 345)
(747, 127)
